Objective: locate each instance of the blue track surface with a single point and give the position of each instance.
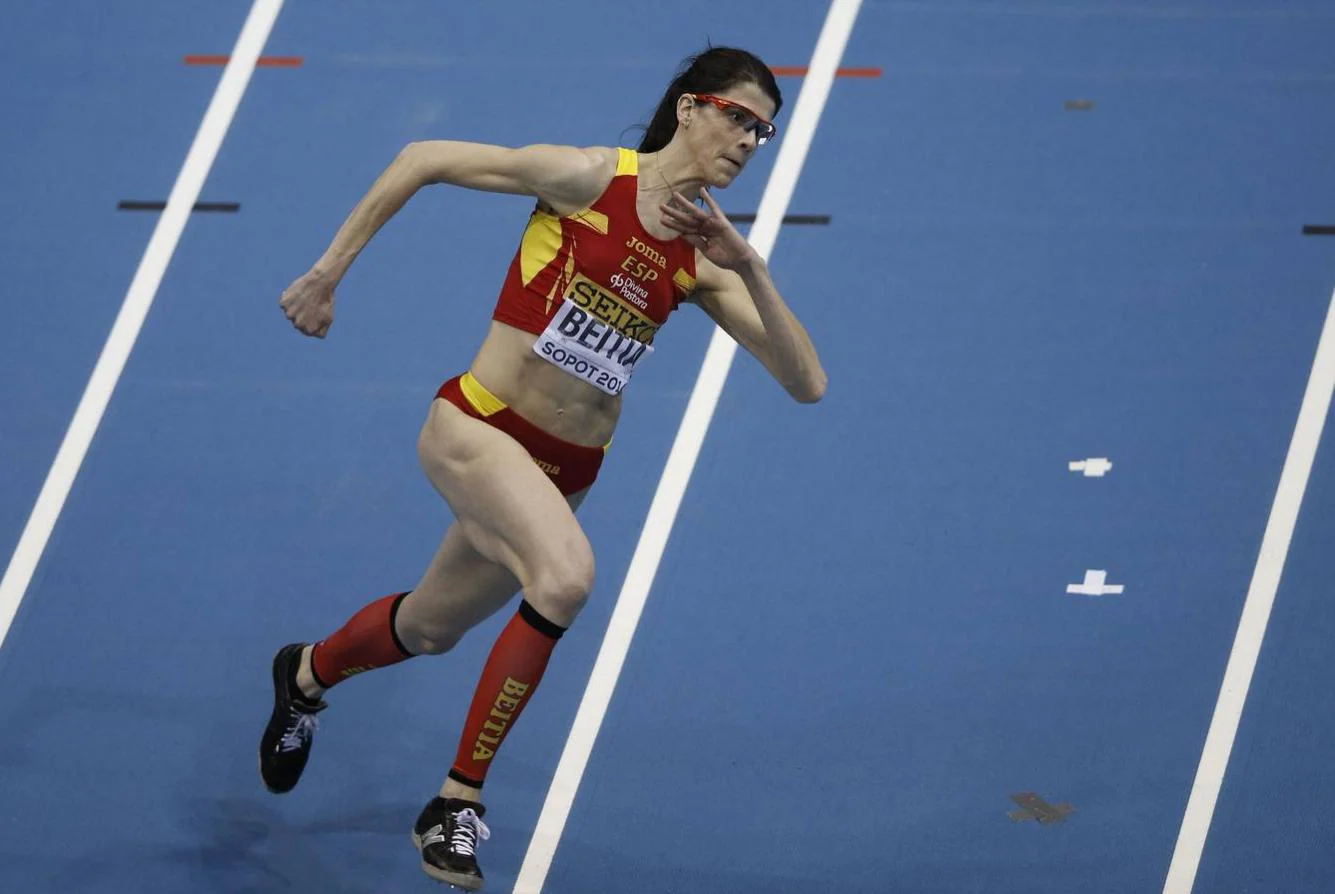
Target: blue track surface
(859, 643)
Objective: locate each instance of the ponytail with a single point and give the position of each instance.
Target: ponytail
(663, 126)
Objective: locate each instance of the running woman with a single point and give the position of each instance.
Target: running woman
(615, 244)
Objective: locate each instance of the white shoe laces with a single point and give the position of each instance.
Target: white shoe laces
(299, 732)
(468, 828)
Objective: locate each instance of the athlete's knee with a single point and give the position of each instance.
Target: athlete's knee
(428, 641)
(423, 632)
(561, 588)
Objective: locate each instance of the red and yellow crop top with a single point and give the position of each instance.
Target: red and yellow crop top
(594, 286)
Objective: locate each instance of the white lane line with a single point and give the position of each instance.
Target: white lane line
(134, 309)
(1255, 615)
(681, 461)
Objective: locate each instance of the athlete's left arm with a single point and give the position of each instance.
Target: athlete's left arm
(746, 305)
(733, 286)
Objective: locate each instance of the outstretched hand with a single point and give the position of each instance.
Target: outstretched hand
(708, 230)
(309, 304)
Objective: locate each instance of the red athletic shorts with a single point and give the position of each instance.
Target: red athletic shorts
(571, 467)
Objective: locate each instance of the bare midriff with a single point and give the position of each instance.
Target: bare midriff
(540, 392)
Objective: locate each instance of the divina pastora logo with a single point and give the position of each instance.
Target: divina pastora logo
(631, 290)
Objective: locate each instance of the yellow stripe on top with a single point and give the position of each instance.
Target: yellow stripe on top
(482, 400)
(594, 220)
(540, 245)
(684, 281)
(628, 162)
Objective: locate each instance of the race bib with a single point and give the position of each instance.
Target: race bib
(593, 337)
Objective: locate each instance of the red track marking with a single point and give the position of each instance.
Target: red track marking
(797, 71)
(264, 61)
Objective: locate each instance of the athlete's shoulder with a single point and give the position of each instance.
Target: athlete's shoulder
(604, 158)
(576, 176)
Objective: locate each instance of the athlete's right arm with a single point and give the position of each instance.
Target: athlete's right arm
(562, 176)
(565, 177)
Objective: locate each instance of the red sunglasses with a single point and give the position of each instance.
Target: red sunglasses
(740, 115)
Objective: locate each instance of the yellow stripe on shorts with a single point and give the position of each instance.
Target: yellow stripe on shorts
(482, 400)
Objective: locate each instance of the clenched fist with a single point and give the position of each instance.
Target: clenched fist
(309, 303)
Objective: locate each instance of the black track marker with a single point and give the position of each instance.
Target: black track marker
(1318, 230)
(819, 220)
(227, 207)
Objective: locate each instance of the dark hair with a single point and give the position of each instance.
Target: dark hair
(713, 71)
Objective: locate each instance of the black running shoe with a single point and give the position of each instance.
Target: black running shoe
(286, 743)
(447, 834)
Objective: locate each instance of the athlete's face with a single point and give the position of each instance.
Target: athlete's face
(724, 129)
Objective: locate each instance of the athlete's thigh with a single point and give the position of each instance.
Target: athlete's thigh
(509, 511)
(461, 588)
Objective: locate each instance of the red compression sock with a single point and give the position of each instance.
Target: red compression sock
(512, 673)
(366, 642)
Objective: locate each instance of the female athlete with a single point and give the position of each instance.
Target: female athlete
(615, 243)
